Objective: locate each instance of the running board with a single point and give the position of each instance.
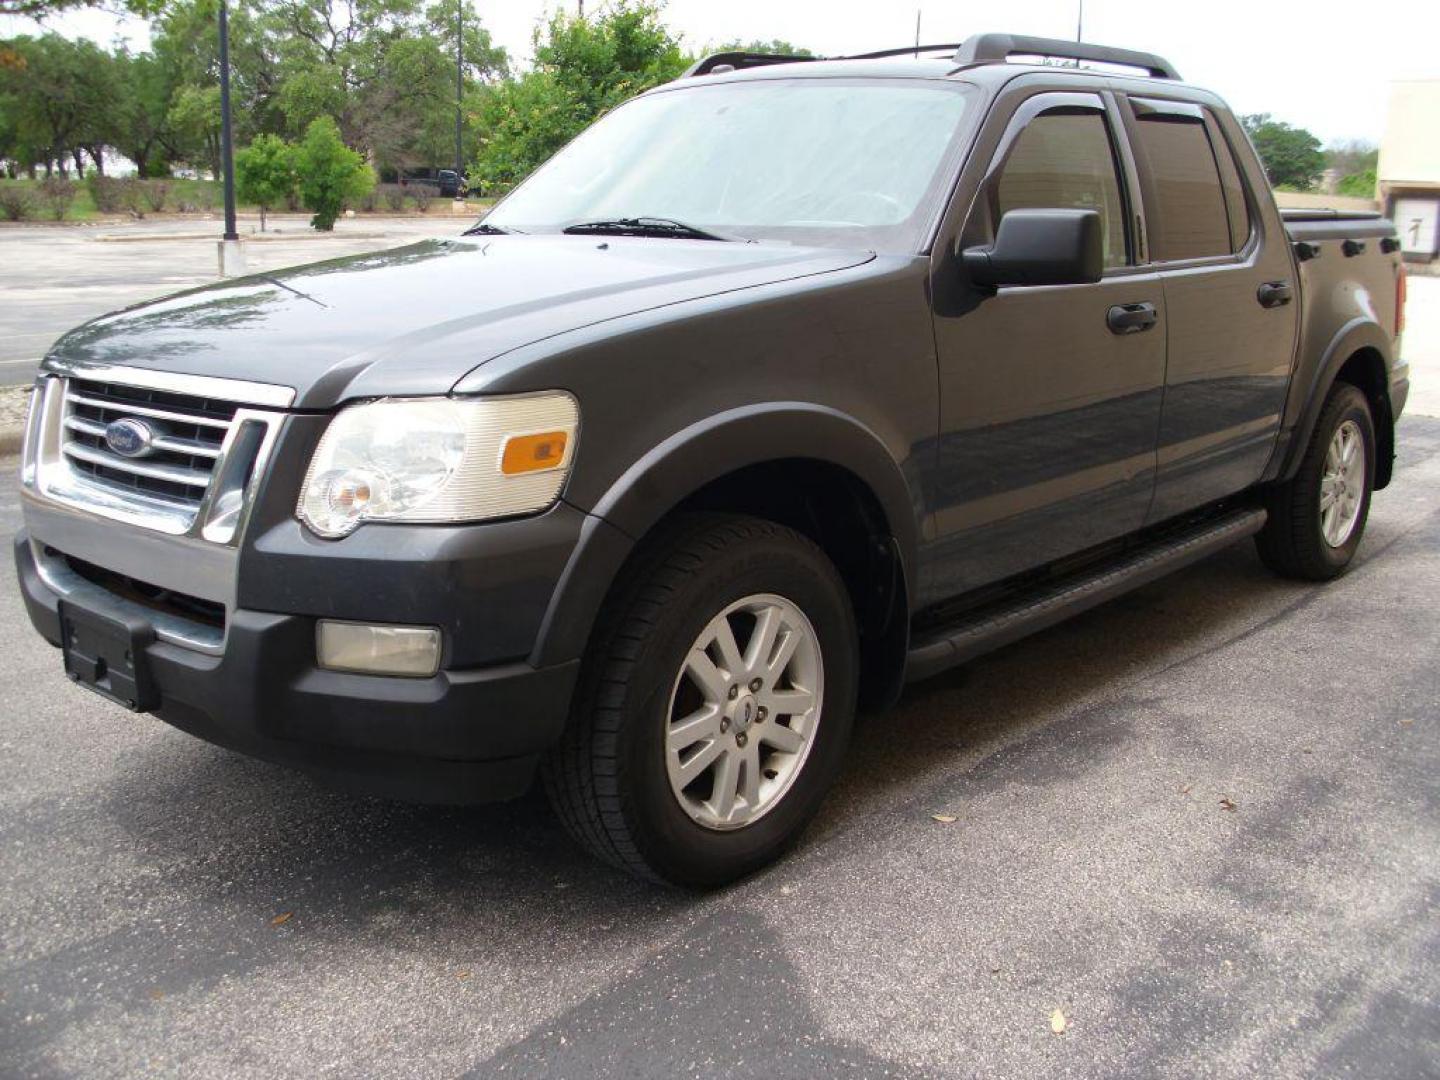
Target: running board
(1025, 614)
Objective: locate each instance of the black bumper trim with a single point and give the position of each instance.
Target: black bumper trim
(460, 736)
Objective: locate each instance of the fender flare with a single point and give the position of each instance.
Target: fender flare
(1359, 333)
(687, 461)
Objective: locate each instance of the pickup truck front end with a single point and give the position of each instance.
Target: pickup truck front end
(184, 581)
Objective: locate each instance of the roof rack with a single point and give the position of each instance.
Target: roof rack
(716, 63)
(908, 50)
(990, 48)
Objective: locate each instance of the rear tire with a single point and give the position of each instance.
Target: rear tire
(616, 779)
(1318, 516)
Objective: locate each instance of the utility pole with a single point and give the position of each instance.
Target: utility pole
(917, 33)
(1079, 21)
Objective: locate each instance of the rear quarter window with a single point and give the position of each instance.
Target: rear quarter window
(1185, 212)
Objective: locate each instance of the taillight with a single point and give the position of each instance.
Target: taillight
(1400, 302)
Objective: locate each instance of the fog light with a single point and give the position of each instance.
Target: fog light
(378, 650)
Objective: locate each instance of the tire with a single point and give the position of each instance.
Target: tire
(1294, 542)
(613, 779)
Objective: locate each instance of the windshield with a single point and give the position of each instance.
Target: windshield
(836, 162)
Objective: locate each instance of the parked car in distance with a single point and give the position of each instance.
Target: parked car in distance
(784, 384)
(452, 185)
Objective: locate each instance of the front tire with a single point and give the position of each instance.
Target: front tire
(714, 706)
(1318, 517)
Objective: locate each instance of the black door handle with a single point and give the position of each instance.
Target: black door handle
(1274, 294)
(1131, 318)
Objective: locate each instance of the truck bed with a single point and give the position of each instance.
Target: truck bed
(1317, 225)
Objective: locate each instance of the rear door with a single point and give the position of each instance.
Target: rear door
(1048, 404)
(1230, 314)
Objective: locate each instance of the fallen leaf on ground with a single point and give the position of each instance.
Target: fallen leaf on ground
(1058, 1022)
(944, 819)
(1407, 722)
(462, 974)
(1185, 790)
(282, 918)
(1226, 804)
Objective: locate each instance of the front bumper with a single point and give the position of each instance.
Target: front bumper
(460, 736)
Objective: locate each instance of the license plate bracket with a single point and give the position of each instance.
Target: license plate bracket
(107, 655)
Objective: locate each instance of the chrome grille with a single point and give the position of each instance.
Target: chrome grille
(195, 466)
(189, 434)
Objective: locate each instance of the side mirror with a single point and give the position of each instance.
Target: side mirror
(1040, 247)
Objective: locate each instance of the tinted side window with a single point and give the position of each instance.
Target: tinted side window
(1235, 208)
(1189, 219)
(1065, 161)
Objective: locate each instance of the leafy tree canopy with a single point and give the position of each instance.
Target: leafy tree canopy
(583, 67)
(331, 174)
(265, 173)
(1291, 155)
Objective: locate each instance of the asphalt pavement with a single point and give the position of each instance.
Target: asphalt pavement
(1201, 822)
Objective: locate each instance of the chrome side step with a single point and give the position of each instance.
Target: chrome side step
(1025, 614)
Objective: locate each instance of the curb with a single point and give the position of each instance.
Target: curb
(261, 238)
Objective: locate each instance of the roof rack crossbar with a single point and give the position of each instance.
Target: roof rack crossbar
(738, 61)
(989, 48)
(908, 50)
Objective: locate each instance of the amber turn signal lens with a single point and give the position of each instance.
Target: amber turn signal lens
(533, 453)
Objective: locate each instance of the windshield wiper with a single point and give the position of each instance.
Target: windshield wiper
(646, 226)
(484, 229)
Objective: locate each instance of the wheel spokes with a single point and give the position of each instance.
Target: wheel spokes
(734, 752)
(703, 723)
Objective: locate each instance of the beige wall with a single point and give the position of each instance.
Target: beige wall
(1410, 150)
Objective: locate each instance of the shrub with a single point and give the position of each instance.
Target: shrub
(58, 192)
(370, 201)
(155, 193)
(330, 173)
(107, 192)
(265, 173)
(394, 196)
(16, 202)
(133, 196)
(422, 194)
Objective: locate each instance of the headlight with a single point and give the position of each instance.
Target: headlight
(439, 460)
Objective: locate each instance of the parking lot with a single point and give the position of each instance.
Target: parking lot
(55, 277)
(1201, 822)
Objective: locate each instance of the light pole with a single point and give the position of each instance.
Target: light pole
(227, 149)
(232, 261)
(459, 85)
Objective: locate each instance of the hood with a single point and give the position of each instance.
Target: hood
(416, 319)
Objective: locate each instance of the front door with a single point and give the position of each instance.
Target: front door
(1049, 395)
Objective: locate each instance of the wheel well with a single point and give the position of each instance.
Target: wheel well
(839, 512)
(1365, 370)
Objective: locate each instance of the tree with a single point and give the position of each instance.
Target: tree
(265, 173)
(330, 172)
(583, 67)
(1291, 155)
(40, 9)
(193, 122)
(58, 99)
(773, 47)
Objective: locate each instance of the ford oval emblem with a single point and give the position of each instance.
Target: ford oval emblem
(129, 437)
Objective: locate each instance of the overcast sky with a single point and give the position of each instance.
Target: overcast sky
(1324, 66)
